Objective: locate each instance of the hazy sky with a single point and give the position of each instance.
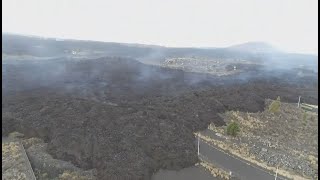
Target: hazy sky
(288, 24)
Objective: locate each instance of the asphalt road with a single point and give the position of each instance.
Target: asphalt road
(239, 167)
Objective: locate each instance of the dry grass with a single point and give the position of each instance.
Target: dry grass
(68, 175)
(287, 129)
(14, 174)
(15, 135)
(215, 172)
(246, 121)
(41, 176)
(13, 162)
(313, 161)
(215, 129)
(11, 150)
(31, 141)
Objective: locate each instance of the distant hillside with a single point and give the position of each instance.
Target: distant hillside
(255, 47)
(46, 47)
(29, 46)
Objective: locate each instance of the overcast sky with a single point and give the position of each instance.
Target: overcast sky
(291, 25)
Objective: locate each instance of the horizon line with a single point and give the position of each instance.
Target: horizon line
(158, 45)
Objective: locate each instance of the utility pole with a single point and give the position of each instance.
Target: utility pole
(299, 101)
(276, 174)
(198, 144)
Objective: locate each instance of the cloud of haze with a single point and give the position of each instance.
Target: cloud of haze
(291, 25)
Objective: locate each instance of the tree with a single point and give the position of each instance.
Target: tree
(275, 105)
(233, 129)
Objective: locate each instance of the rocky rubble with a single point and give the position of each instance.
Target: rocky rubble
(273, 158)
(126, 119)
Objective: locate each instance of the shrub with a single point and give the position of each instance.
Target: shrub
(233, 129)
(275, 105)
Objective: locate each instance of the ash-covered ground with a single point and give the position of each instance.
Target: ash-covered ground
(127, 119)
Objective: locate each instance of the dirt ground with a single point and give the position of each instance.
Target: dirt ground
(126, 119)
(15, 164)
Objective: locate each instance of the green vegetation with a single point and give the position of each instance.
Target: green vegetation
(305, 116)
(275, 106)
(233, 129)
